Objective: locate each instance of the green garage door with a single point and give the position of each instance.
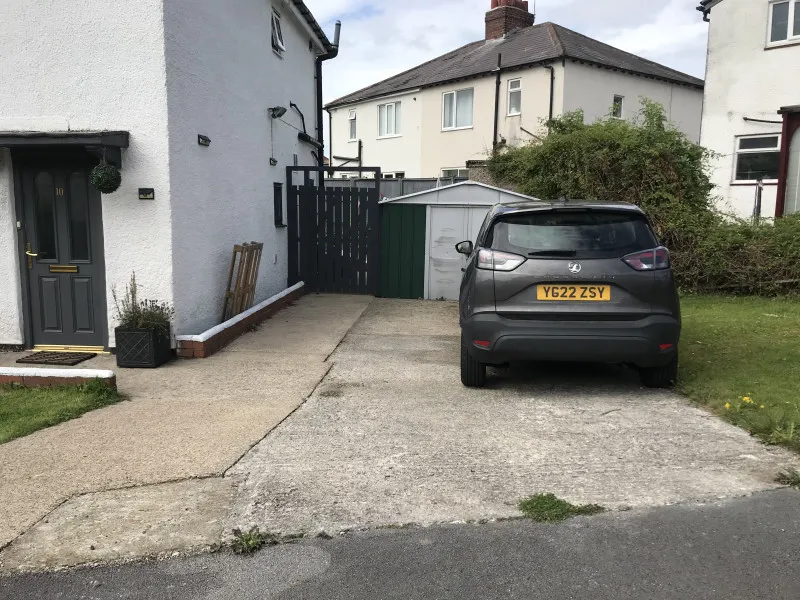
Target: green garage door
(403, 251)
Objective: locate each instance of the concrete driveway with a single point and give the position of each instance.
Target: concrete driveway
(144, 476)
(391, 437)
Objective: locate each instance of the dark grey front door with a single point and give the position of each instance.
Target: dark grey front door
(63, 253)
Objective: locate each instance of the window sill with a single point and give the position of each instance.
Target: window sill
(352, 141)
(782, 44)
(388, 137)
(445, 130)
(768, 182)
(519, 114)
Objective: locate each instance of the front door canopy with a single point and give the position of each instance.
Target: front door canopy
(107, 144)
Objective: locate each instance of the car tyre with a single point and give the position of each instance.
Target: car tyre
(660, 377)
(473, 372)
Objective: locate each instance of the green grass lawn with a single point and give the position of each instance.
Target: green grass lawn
(741, 357)
(25, 410)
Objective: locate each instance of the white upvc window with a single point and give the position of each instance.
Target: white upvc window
(757, 157)
(457, 108)
(353, 126)
(397, 175)
(514, 97)
(618, 107)
(277, 33)
(455, 173)
(389, 119)
(784, 21)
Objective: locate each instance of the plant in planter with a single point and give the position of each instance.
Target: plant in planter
(106, 178)
(143, 335)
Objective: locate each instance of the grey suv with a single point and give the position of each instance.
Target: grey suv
(568, 281)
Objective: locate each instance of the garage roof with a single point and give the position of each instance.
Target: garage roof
(465, 193)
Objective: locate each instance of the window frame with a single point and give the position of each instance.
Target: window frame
(458, 170)
(278, 43)
(738, 151)
(277, 192)
(508, 97)
(791, 37)
(396, 130)
(352, 118)
(621, 105)
(455, 93)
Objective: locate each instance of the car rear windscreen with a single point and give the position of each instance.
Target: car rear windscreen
(572, 233)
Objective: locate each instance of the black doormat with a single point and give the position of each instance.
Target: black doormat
(63, 359)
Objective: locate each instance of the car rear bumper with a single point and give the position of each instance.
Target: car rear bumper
(648, 342)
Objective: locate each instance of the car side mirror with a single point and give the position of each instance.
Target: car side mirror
(464, 248)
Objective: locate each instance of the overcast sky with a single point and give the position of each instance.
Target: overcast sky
(382, 38)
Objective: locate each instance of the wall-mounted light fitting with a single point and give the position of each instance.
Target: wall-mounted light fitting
(276, 112)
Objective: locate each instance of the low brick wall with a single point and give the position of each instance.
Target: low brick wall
(40, 377)
(214, 340)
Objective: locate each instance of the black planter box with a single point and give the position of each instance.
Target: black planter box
(142, 348)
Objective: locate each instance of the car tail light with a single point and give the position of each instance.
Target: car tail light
(649, 260)
(492, 260)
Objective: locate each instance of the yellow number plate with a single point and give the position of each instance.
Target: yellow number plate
(579, 293)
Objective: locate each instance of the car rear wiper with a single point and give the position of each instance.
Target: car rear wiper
(566, 253)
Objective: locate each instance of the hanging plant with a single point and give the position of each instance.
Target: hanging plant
(106, 178)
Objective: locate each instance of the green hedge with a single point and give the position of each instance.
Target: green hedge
(653, 165)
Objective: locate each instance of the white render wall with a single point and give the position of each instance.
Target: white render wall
(744, 79)
(223, 76)
(90, 65)
(10, 291)
(452, 149)
(392, 154)
(424, 149)
(592, 89)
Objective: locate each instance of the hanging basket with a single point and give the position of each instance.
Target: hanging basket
(106, 178)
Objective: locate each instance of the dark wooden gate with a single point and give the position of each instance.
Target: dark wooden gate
(334, 232)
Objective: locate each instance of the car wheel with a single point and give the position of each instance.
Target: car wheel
(660, 377)
(473, 373)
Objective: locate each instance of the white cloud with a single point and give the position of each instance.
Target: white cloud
(675, 32)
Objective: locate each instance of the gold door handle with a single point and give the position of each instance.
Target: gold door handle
(31, 255)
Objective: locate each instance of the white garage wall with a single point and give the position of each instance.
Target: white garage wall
(447, 226)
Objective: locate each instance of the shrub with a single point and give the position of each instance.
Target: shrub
(653, 165)
(133, 313)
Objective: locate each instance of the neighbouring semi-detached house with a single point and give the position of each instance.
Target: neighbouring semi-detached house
(139, 83)
(751, 111)
(431, 120)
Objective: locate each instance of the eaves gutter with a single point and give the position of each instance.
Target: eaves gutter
(312, 24)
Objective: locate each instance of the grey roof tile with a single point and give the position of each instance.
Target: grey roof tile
(541, 43)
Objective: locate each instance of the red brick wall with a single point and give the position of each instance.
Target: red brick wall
(506, 16)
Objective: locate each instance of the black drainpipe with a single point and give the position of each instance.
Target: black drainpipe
(330, 133)
(552, 88)
(499, 72)
(318, 76)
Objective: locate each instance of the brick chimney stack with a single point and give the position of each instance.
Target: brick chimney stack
(506, 16)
